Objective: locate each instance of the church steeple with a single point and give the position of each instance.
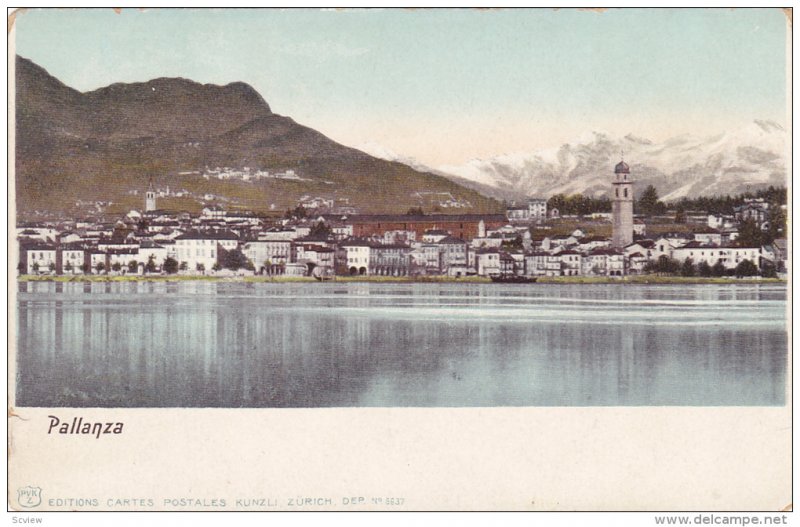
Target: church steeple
(622, 206)
(150, 197)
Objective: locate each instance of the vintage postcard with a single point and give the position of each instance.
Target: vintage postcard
(390, 259)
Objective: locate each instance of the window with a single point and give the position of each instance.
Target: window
(625, 191)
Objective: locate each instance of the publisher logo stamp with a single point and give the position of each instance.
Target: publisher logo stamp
(29, 496)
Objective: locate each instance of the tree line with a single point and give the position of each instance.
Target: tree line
(649, 202)
(670, 266)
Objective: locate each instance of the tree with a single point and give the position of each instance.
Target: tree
(768, 269)
(170, 265)
(415, 211)
(664, 265)
(718, 269)
(703, 269)
(777, 223)
(216, 267)
(557, 201)
(746, 268)
(234, 259)
(35, 267)
(184, 266)
(649, 203)
(667, 265)
(750, 234)
(201, 268)
(298, 212)
(150, 266)
(320, 229)
(100, 267)
(116, 267)
(687, 269)
(68, 267)
(680, 215)
(133, 266)
(516, 243)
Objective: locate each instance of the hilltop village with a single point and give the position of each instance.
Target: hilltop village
(317, 240)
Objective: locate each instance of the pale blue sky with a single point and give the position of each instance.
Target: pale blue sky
(445, 85)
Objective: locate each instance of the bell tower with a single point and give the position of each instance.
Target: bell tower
(622, 206)
(150, 198)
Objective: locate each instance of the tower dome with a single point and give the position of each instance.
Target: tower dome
(622, 168)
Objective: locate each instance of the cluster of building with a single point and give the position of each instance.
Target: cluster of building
(246, 174)
(325, 244)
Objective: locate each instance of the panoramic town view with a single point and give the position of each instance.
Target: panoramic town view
(560, 236)
(464, 239)
(287, 269)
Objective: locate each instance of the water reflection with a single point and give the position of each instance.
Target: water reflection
(155, 344)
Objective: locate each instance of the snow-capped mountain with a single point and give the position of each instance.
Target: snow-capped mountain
(751, 157)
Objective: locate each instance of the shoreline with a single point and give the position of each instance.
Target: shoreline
(589, 280)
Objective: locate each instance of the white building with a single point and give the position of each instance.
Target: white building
(720, 221)
(537, 209)
(41, 259)
(434, 235)
(518, 214)
(159, 253)
(488, 261)
(356, 255)
(570, 263)
(729, 256)
(72, 260)
(272, 255)
(202, 248)
(708, 236)
(542, 263)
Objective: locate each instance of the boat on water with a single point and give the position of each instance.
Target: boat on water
(322, 275)
(512, 279)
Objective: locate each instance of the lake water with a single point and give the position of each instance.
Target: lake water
(206, 344)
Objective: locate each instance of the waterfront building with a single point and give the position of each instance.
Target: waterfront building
(570, 263)
(454, 256)
(730, 257)
(488, 261)
(390, 259)
(72, 259)
(319, 259)
(603, 262)
(356, 254)
(269, 256)
(544, 263)
(202, 248)
(508, 265)
(41, 258)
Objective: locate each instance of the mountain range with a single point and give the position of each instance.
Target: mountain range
(106, 145)
(751, 157)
